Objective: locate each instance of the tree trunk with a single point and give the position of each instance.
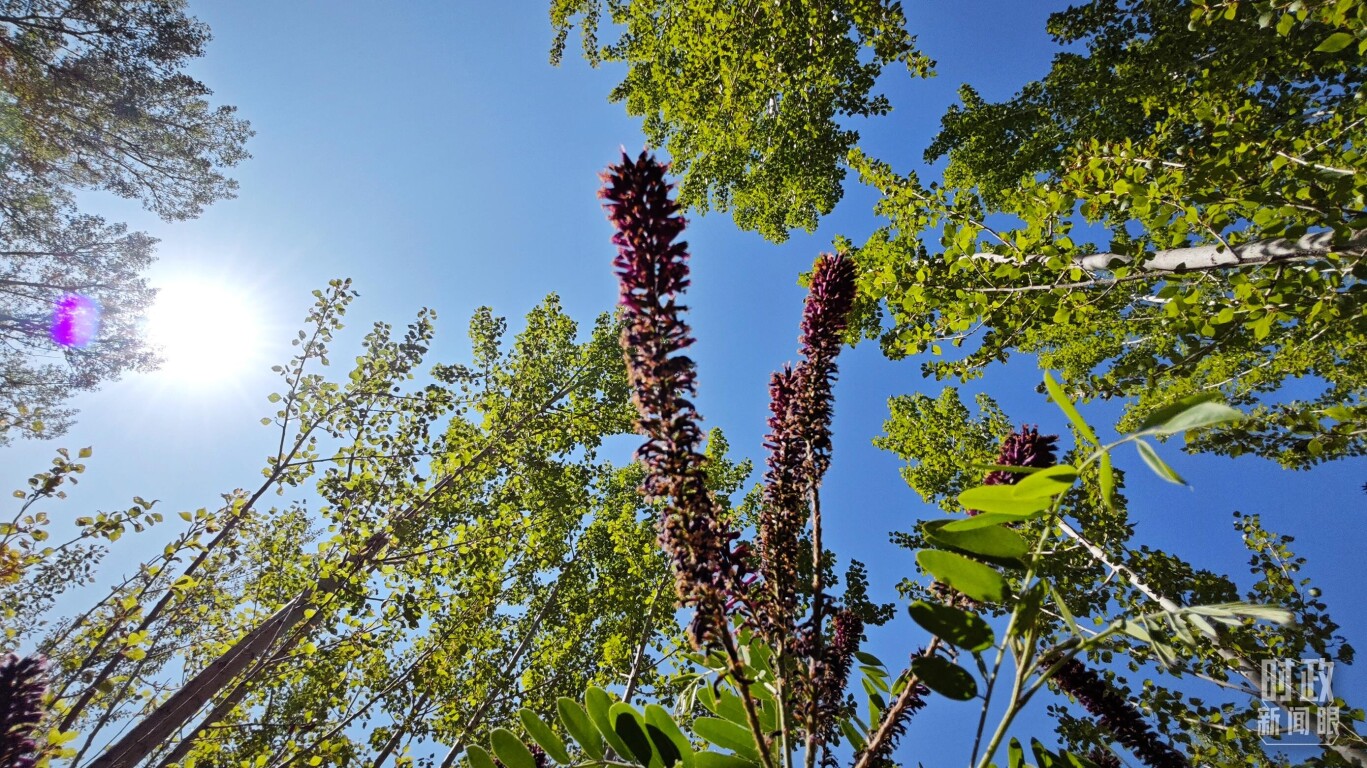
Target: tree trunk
(1353, 755)
(158, 727)
(478, 716)
(1215, 256)
(163, 722)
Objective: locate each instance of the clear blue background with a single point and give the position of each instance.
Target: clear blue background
(429, 151)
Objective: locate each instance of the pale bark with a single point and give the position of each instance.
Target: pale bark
(1214, 256)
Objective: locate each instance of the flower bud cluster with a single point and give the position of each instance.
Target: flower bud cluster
(1026, 448)
(1117, 715)
(22, 687)
(799, 440)
(652, 271)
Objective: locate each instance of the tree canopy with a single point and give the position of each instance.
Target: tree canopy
(1066, 218)
(93, 95)
(1236, 127)
(452, 551)
(748, 97)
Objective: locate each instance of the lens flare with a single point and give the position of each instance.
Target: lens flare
(75, 320)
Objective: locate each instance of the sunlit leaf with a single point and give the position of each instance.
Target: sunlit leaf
(544, 737)
(970, 577)
(1159, 467)
(579, 727)
(993, 541)
(1046, 483)
(1065, 404)
(510, 750)
(478, 757)
(727, 735)
(1001, 499)
(1189, 413)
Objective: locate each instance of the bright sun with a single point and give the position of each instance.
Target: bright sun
(208, 332)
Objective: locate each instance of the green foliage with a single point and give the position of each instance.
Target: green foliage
(101, 100)
(960, 628)
(93, 95)
(459, 554)
(945, 439)
(748, 97)
(1168, 125)
(1160, 613)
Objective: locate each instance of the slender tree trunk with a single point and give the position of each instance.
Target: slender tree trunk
(478, 716)
(92, 687)
(1216, 256)
(397, 737)
(162, 723)
(647, 631)
(273, 654)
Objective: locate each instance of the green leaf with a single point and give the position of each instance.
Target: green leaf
(852, 733)
(1189, 413)
(869, 658)
(1046, 483)
(1106, 478)
(1002, 500)
(1231, 613)
(628, 725)
(944, 677)
(970, 577)
(658, 720)
(1015, 756)
(510, 750)
(724, 703)
(1335, 42)
(992, 541)
(984, 520)
(599, 706)
(1159, 467)
(1066, 405)
(1044, 757)
(670, 755)
(1062, 606)
(478, 757)
(961, 628)
(544, 737)
(578, 725)
(719, 760)
(727, 735)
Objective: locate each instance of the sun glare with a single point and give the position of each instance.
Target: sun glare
(208, 332)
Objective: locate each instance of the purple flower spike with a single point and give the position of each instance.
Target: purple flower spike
(1026, 448)
(21, 708)
(652, 270)
(75, 320)
(799, 440)
(1116, 714)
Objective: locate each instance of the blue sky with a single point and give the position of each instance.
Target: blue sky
(431, 153)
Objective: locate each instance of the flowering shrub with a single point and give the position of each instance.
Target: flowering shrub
(777, 651)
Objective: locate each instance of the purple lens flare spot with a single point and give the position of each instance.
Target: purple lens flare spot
(75, 320)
